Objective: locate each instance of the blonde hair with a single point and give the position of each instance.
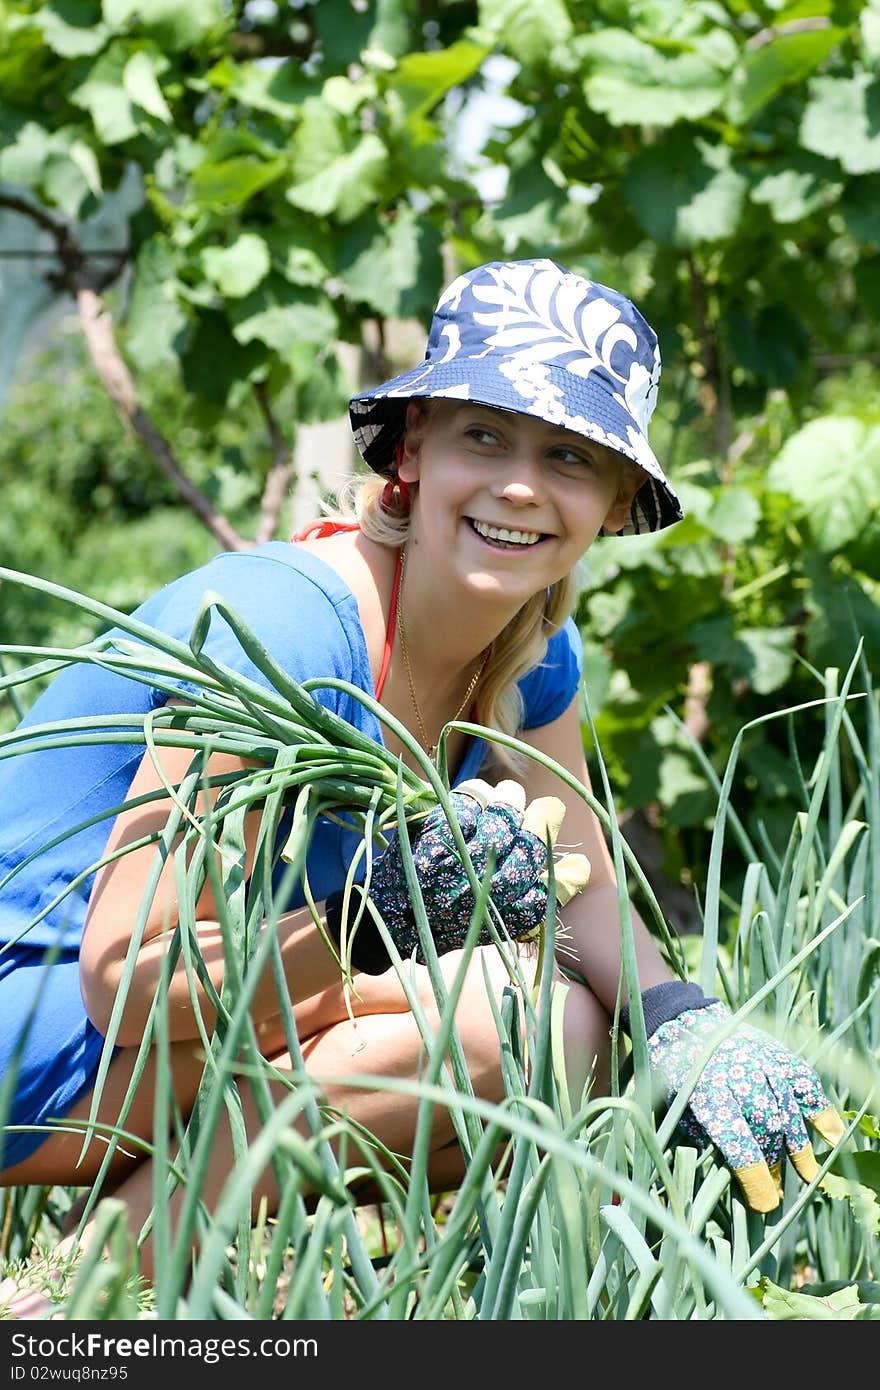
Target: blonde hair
(521, 645)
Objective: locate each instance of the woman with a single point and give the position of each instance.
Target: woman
(498, 460)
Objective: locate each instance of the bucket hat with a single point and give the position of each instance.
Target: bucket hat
(535, 338)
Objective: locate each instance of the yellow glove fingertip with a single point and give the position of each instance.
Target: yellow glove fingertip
(543, 817)
(571, 873)
(829, 1125)
(758, 1185)
(476, 788)
(776, 1175)
(511, 793)
(805, 1163)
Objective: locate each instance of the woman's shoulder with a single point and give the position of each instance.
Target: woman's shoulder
(297, 607)
(282, 563)
(273, 581)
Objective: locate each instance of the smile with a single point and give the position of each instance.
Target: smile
(501, 535)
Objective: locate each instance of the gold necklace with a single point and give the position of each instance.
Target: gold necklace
(430, 748)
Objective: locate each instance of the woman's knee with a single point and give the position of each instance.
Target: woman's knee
(586, 1041)
(489, 1006)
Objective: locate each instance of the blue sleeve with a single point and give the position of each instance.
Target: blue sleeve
(288, 611)
(549, 688)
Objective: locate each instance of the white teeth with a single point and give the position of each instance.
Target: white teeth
(501, 533)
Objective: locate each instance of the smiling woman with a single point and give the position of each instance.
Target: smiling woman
(443, 587)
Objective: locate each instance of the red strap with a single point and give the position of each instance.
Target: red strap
(389, 634)
(328, 526)
(325, 526)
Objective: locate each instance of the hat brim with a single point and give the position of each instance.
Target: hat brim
(584, 405)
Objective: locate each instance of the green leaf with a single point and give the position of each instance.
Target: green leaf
(322, 387)
(103, 95)
(278, 89)
(22, 161)
(787, 1304)
(770, 657)
(214, 364)
(300, 250)
(664, 769)
(345, 188)
(633, 83)
(787, 58)
(155, 320)
(598, 672)
(117, 13)
(858, 207)
(282, 317)
(735, 515)
(531, 210)
(231, 182)
(420, 80)
(796, 187)
(685, 191)
(863, 1164)
(843, 609)
(239, 268)
(344, 30)
(72, 28)
(392, 268)
(831, 471)
(141, 83)
(64, 184)
(528, 31)
(862, 1198)
(867, 282)
(869, 1125)
(842, 121)
(322, 136)
(772, 346)
(85, 159)
(175, 25)
(761, 656)
(869, 21)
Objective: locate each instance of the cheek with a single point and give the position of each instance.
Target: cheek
(586, 506)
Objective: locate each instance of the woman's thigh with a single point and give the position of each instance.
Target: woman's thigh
(385, 994)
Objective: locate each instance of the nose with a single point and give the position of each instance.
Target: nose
(521, 482)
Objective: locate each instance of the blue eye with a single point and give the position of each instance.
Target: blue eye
(572, 458)
(482, 434)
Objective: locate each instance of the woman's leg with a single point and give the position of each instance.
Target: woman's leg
(383, 1040)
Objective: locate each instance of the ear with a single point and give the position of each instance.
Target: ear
(414, 429)
(631, 479)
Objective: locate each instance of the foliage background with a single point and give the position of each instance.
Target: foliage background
(223, 198)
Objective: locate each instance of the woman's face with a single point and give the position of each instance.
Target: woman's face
(510, 502)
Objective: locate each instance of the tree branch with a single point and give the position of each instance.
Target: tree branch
(69, 251)
(282, 474)
(792, 26)
(97, 326)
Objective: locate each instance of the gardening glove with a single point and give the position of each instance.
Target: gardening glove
(753, 1099)
(504, 837)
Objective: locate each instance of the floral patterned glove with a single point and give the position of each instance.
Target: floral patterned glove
(502, 833)
(753, 1099)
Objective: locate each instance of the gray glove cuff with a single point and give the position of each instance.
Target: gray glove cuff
(660, 1003)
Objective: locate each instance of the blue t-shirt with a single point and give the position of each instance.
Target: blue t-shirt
(307, 618)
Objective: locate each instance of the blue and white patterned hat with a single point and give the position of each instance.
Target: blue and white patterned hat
(533, 337)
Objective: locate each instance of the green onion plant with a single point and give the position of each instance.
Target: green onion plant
(594, 1212)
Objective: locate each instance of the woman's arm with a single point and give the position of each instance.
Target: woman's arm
(591, 919)
(113, 908)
